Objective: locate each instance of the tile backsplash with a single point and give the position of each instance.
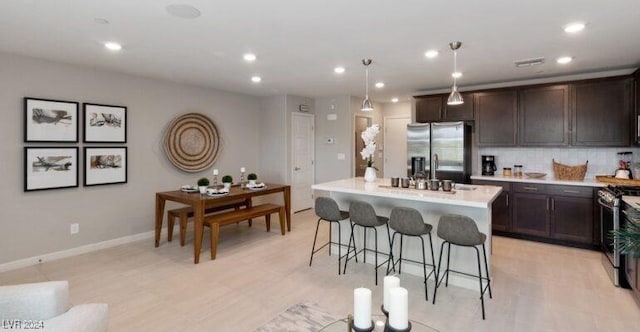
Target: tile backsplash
(602, 161)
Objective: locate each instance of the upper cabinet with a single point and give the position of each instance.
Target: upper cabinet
(496, 114)
(602, 112)
(429, 108)
(543, 115)
(435, 108)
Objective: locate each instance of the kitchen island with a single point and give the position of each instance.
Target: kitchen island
(469, 200)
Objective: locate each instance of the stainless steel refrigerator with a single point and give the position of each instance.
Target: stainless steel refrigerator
(442, 150)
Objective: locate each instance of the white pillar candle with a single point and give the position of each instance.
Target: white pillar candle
(215, 171)
(362, 308)
(399, 308)
(241, 169)
(389, 282)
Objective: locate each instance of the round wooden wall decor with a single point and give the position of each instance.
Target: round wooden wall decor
(191, 142)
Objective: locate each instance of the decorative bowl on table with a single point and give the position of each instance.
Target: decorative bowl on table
(535, 175)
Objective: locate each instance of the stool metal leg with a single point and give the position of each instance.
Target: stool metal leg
(435, 291)
(446, 283)
(480, 280)
(351, 240)
(364, 245)
(424, 269)
(313, 248)
(400, 260)
(339, 244)
(391, 258)
(375, 232)
(330, 231)
(486, 269)
(433, 259)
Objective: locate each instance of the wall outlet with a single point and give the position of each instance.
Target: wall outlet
(341, 156)
(75, 229)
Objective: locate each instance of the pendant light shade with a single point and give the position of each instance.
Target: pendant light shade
(455, 98)
(367, 105)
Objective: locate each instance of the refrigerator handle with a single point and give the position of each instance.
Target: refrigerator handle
(435, 161)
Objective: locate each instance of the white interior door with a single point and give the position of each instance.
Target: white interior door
(395, 146)
(302, 168)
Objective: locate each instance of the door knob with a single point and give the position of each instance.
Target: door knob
(296, 169)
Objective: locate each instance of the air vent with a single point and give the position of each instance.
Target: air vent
(529, 62)
(303, 108)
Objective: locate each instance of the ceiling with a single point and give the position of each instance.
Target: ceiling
(298, 43)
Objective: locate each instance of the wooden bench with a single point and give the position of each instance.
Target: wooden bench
(214, 221)
(187, 212)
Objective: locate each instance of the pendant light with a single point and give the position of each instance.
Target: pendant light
(367, 106)
(455, 98)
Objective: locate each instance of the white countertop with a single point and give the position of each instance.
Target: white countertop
(480, 196)
(546, 180)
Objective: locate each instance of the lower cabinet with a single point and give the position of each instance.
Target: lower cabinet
(632, 273)
(543, 211)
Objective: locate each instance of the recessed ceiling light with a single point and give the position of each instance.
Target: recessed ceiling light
(394, 100)
(338, 70)
(183, 11)
(456, 74)
(113, 46)
(379, 85)
(431, 54)
(100, 20)
(249, 57)
(256, 79)
(565, 59)
(574, 27)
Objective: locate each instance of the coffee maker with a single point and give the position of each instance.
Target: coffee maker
(488, 165)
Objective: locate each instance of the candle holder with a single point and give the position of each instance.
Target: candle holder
(241, 179)
(215, 181)
(389, 328)
(386, 313)
(370, 329)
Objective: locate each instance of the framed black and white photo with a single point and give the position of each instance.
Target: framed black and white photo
(105, 165)
(50, 120)
(105, 123)
(50, 168)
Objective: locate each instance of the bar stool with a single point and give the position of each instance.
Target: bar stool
(408, 222)
(327, 209)
(462, 231)
(362, 214)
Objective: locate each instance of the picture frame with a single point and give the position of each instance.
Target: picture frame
(47, 120)
(104, 123)
(105, 165)
(48, 167)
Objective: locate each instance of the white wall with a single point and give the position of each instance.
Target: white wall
(36, 223)
(397, 109)
(328, 166)
(602, 161)
(273, 139)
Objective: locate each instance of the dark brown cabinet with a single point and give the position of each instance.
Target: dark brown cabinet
(435, 108)
(553, 212)
(632, 273)
(496, 114)
(428, 109)
(543, 116)
(501, 207)
(462, 112)
(602, 112)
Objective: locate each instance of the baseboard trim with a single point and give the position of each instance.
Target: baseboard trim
(35, 260)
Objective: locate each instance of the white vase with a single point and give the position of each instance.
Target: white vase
(370, 174)
(203, 189)
(227, 185)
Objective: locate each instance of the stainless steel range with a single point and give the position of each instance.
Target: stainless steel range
(610, 200)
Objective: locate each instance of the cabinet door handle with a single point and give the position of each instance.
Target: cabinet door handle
(547, 204)
(507, 200)
(530, 188)
(571, 191)
(553, 204)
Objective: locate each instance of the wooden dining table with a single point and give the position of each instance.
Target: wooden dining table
(200, 202)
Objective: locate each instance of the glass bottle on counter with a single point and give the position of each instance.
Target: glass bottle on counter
(517, 171)
(506, 171)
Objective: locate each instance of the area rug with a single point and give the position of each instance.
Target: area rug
(302, 317)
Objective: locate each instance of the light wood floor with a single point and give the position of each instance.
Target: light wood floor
(536, 287)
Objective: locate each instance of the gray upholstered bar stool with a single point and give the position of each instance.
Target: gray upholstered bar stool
(327, 209)
(462, 231)
(406, 221)
(362, 214)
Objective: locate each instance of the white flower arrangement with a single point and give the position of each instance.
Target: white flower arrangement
(369, 136)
